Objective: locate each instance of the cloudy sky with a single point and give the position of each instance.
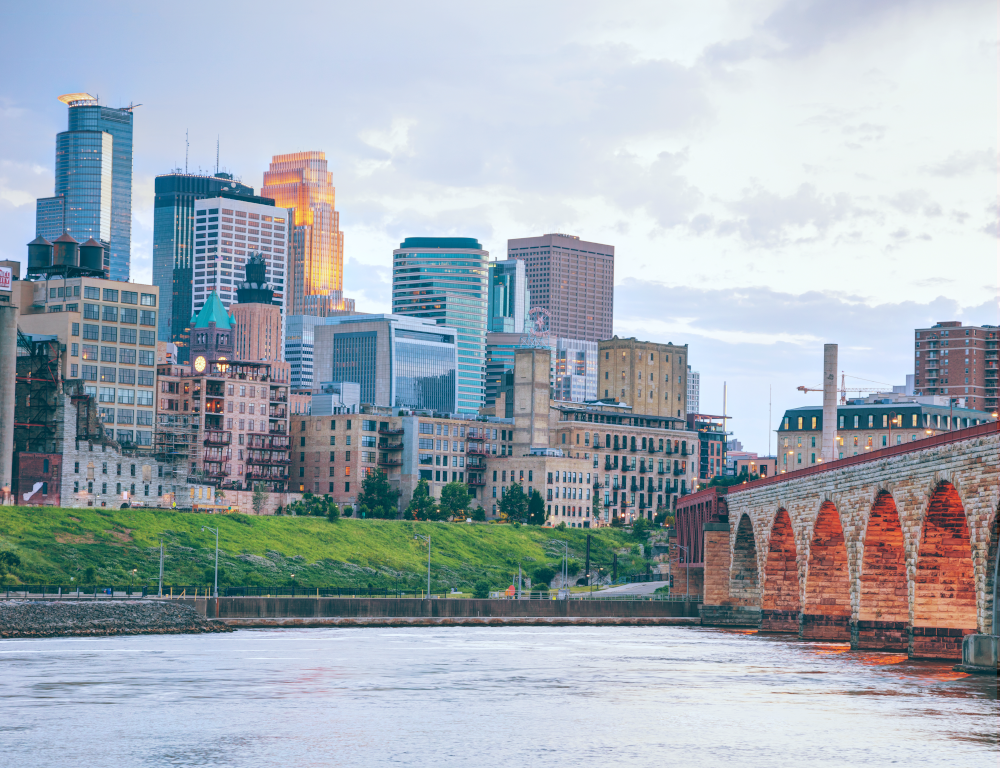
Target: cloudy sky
(774, 175)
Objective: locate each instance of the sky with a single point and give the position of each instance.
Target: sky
(774, 174)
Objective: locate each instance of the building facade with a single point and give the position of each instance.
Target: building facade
(863, 427)
(300, 340)
(574, 370)
(572, 280)
(650, 377)
(499, 359)
(509, 299)
(256, 320)
(444, 280)
(399, 361)
(740, 461)
(93, 184)
(958, 361)
(693, 391)
(228, 231)
(173, 245)
(315, 279)
(712, 444)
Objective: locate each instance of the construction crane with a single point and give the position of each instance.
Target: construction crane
(844, 389)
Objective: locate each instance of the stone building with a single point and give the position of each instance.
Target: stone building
(649, 377)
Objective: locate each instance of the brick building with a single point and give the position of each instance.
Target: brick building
(649, 377)
(958, 362)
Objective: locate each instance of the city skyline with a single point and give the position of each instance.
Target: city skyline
(768, 200)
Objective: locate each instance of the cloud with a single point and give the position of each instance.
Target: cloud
(965, 163)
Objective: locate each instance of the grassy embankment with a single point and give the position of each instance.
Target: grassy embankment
(57, 544)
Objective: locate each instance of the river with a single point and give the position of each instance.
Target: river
(527, 696)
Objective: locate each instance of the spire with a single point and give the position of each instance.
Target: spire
(212, 312)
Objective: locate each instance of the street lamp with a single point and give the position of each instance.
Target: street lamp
(216, 531)
(428, 540)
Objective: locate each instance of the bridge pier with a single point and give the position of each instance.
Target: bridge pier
(880, 636)
(819, 626)
(937, 642)
(779, 621)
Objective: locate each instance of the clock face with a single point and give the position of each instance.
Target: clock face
(199, 363)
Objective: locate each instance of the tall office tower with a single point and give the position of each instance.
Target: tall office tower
(256, 320)
(228, 230)
(300, 335)
(173, 245)
(444, 280)
(574, 370)
(649, 377)
(573, 280)
(399, 362)
(499, 360)
(959, 362)
(509, 300)
(93, 190)
(694, 391)
(316, 265)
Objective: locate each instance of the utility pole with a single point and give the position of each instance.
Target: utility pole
(160, 591)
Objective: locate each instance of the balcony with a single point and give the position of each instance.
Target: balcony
(217, 438)
(277, 429)
(679, 472)
(388, 461)
(643, 470)
(390, 446)
(661, 471)
(390, 431)
(475, 463)
(268, 461)
(608, 467)
(277, 412)
(266, 475)
(476, 450)
(276, 398)
(476, 480)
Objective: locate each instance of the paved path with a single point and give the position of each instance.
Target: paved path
(642, 588)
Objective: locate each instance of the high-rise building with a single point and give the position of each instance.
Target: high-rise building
(694, 391)
(649, 377)
(971, 373)
(574, 370)
(400, 362)
(256, 319)
(300, 181)
(573, 280)
(300, 334)
(173, 245)
(228, 230)
(93, 186)
(444, 280)
(499, 360)
(509, 300)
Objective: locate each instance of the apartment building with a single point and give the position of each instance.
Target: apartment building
(867, 426)
(649, 377)
(958, 361)
(565, 483)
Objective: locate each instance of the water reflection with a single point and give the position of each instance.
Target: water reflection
(496, 696)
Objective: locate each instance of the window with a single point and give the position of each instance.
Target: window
(130, 315)
(146, 338)
(88, 372)
(90, 351)
(126, 396)
(91, 292)
(91, 312)
(368, 425)
(145, 378)
(146, 357)
(126, 356)
(130, 297)
(871, 420)
(110, 314)
(800, 422)
(148, 300)
(76, 329)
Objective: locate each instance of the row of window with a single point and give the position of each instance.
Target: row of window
(109, 314)
(118, 488)
(126, 396)
(108, 374)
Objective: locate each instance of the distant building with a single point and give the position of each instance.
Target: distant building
(300, 332)
(712, 439)
(444, 280)
(958, 361)
(173, 244)
(573, 280)
(694, 391)
(315, 280)
(256, 319)
(650, 377)
(499, 359)
(574, 370)
(399, 362)
(739, 462)
(93, 184)
(864, 426)
(509, 299)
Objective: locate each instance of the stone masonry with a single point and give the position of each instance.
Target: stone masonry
(893, 550)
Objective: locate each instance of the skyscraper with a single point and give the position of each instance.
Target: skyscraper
(509, 300)
(316, 267)
(173, 245)
(444, 280)
(93, 185)
(571, 278)
(694, 391)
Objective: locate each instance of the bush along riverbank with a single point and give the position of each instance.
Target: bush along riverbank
(70, 618)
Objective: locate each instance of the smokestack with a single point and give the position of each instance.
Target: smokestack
(8, 371)
(829, 402)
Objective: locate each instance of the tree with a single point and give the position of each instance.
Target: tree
(9, 561)
(479, 514)
(481, 590)
(514, 504)
(377, 498)
(455, 500)
(422, 505)
(536, 509)
(259, 497)
(595, 511)
(543, 574)
(332, 511)
(640, 528)
(663, 517)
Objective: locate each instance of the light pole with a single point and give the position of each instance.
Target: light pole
(565, 564)
(428, 540)
(159, 592)
(216, 531)
(687, 571)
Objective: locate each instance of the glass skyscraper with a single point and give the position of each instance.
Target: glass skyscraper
(173, 245)
(93, 185)
(508, 298)
(444, 280)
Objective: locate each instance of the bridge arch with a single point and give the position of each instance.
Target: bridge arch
(884, 599)
(781, 596)
(744, 580)
(944, 594)
(827, 608)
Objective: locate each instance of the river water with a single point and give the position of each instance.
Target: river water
(527, 696)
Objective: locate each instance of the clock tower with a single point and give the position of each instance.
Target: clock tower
(211, 335)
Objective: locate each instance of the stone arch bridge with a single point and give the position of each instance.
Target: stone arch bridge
(893, 550)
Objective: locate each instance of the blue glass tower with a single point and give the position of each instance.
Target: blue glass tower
(93, 189)
(444, 280)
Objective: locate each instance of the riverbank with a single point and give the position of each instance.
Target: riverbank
(71, 618)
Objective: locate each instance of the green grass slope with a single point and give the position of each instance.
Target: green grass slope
(57, 544)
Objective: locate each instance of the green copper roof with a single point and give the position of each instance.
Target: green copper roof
(213, 312)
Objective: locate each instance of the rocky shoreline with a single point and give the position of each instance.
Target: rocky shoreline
(85, 618)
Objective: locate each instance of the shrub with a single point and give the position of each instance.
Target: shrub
(481, 590)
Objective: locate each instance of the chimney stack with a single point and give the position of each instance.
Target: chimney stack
(829, 402)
